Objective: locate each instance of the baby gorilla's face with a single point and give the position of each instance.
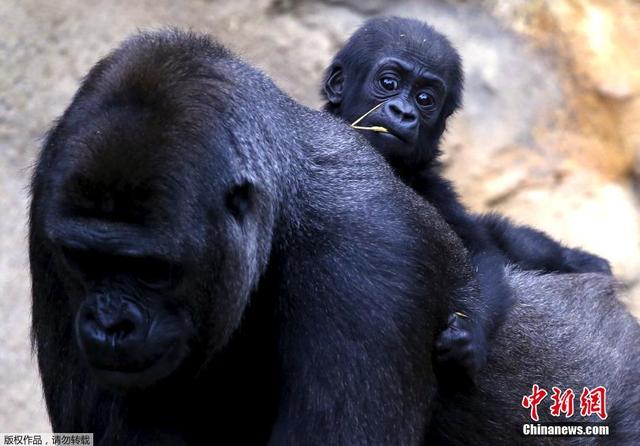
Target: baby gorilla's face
(401, 98)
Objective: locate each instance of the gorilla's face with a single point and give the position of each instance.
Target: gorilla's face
(145, 300)
(158, 254)
(405, 97)
(403, 79)
(129, 324)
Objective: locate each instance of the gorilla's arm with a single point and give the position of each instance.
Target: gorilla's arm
(464, 342)
(441, 193)
(533, 250)
(493, 241)
(529, 248)
(343, 384)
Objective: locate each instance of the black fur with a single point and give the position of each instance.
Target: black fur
(361, 76)
(212, 261)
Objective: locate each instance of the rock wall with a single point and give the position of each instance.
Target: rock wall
(549, 133)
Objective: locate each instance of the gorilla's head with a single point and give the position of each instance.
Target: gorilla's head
(407, 75)
(157, 222)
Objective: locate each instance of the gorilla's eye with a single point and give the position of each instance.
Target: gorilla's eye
(85, 262)
(389, 83)
(425, 99)
(153, 273)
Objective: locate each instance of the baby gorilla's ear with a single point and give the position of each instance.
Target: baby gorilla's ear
(334, 84)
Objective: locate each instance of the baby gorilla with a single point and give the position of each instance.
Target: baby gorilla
(400, 80)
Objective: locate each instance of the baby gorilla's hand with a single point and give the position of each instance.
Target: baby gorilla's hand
(579, 261)
(462, 346)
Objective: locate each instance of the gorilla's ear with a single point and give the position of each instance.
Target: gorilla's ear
(334, 84)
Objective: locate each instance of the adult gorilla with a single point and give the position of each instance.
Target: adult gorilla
(211, 260)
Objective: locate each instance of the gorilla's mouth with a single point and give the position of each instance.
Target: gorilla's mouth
(392, 140)
(124, 363)
(126, 374)
(392, 135)
(391, 144)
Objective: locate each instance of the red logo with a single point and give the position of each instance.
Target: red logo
(562, 402)
(532, 401)
(592, 402)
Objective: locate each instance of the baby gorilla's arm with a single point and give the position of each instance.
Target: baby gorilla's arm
(531, 249)
(463, 345)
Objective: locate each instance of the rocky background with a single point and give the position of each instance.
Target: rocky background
(549, 134)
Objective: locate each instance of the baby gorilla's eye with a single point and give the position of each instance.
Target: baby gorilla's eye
(389, 83)
(425, 99)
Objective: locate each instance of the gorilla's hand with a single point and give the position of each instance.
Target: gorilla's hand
(461, 347)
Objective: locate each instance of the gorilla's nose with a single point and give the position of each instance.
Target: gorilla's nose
(402, 112)
(110, 322)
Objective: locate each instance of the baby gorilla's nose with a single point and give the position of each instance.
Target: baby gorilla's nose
(402, 113)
